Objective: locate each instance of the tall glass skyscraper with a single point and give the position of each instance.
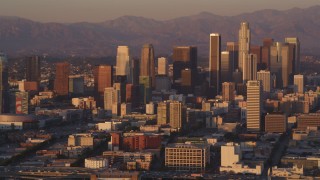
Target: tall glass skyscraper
(3, 83)
(215, 63)
(296, 62)
(33, 69)
(250, 68)
(280, 63)
(147, 63)
(184, 57)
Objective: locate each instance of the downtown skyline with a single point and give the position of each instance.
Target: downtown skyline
(201, 96)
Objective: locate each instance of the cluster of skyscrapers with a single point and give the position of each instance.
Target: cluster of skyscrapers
(245, 69)
(252, 69)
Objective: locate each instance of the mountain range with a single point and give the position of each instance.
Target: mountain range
(19, 37)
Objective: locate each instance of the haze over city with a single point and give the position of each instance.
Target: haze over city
(101, 10)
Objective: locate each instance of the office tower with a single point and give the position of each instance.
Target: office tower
(184, 57)
(163, 113)
(265, 53)
(291, 62)
(233, 49)
(237, 77)
(230, 154)
(135, 70)
(250, 68)
(265, 78)
(103, 78)
(186, 81)
(275, 123)
(215, 63)
(132, 95)
(226, 67)
(76, 84)
(163, 83)
(111, 99)
(33, 69)
(241, 89)
(121, 89)
(244, 44)
(61, 82)
(257, 50)
(285, 53)
(296, 62)
(177, 115)
(279, 63)
(145, 89)
(187, 157)
(228, 90)
(163, 66)
(147, 63)
(125, 109)
(4, 107)
(254, 104)
(276, 63)
(123, 63)
(108, 99)
(298, 83)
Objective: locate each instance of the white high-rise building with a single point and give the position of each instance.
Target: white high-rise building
(111, 97)
(163, 113)
(298, 83)
(177, 114)
(230, 154)
(265, 77)
(254, 103)
(250, 68)
(123, 62)
(163, 66)
(244, 44)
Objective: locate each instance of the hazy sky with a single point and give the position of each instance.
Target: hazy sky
(101, 10)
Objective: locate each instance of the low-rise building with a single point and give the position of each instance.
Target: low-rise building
(230, 154)
(84, 139)
(308, 120)
(96, 162)
(187, 157)
(286, 172)
(275, 123)
(306, 162)
(240, 168)
(14, 121)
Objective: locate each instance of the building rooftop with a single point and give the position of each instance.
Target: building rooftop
(17, 118)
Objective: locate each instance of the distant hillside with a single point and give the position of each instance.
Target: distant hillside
(22, 37)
